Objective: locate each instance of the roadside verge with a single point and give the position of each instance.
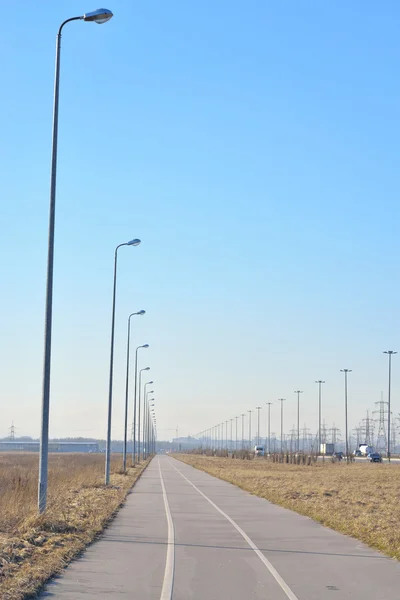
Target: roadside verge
(35, 548)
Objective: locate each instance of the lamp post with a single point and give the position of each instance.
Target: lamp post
(110, 385)
(249, 411)
(320, 382)
(345, 371)
(281, 400)
(151, 445)
(140, 312)
(269, 426)
(154, 433)
(146, 405)
(243, 416)
(390, 354)
(298, 392)
(134, 404)
(139, 404)
(258, 408)
(100, 16)
(149, 405)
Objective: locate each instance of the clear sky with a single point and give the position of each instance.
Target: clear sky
(254, 148)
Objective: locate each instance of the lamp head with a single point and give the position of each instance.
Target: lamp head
(99, 16)
(141, 312)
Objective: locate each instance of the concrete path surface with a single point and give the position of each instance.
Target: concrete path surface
(185, 535)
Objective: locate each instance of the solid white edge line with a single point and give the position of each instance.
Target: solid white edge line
(168, 582)
(284, 586)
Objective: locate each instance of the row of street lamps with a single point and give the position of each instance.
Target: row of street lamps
(138, 418)
(102, 15)
(216, 433)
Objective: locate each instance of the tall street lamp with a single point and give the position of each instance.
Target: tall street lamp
(146, 418)
(243, 416)
(134, 242)
(140, 312)
(98, 16)
(281, 400)
(390, 354)
(135, 403)
(345, 371)
(139, 403)
(269, 426)
(258, 408)
(320, 382)
(150, 432)
(145, 404)
(298, 392)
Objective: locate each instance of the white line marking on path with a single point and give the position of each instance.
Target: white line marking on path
(250, 542)
(168, 583)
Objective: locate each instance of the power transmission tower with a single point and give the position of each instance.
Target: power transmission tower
(314, 443)
(12, 432)
(381, 437)
(335, 434)
(358, 432)
(293, 437)
(367, 429)
(305, 438)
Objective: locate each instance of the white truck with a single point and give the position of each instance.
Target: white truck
(364, 450)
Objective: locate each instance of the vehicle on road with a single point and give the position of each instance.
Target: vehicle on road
(365, 449)
(357, 452)
(374, 457)
(327, 449)
(259, 451)
(338, 455)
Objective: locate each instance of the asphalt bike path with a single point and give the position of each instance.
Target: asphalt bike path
(185, 535)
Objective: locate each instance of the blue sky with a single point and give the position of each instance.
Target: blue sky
(253, 147)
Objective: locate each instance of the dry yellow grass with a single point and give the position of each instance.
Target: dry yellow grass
(32, 547)
(361, 500)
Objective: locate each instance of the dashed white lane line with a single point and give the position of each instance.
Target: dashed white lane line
(168, 582)
(283, 585)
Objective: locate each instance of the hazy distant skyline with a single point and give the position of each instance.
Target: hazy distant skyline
(253, 148)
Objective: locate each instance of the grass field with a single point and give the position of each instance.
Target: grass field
(32, 547)
(361, 500)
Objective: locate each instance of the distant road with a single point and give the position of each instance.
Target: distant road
(185, 535)
(363, 459)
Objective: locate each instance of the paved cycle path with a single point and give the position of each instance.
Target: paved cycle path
(185, 535)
